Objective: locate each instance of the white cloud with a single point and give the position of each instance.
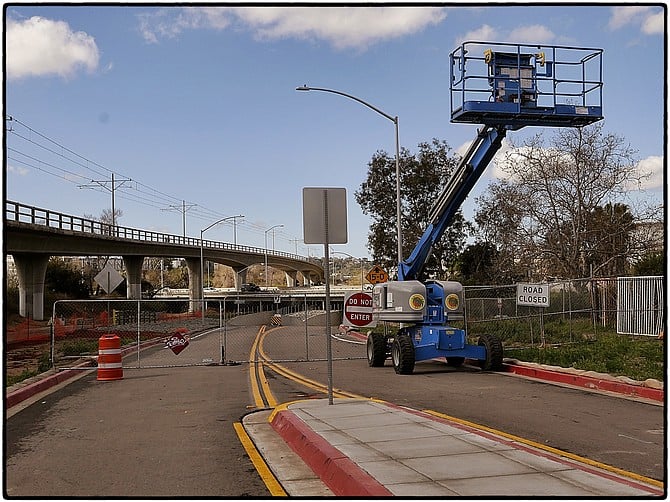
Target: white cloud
(342, 27)
(485, 32)
(653, 166)
(536, 33)
(653, 24)
(496, 171)
(171, 22)
(532, 34)
(39, 46)
(649, 18)
(21, 171)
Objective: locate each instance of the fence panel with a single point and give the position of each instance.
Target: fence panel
(578, 309)
(224, 333)
(494, 309)
(78, 325)
(640, 305)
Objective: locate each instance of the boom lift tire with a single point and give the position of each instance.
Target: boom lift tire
(402, 354)
(494, 353)
(376, 349)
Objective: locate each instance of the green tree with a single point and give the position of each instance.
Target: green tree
(650, 264)
(476, 264)
(62, 277)
(609, 239)
(422, 178)
(555, 194)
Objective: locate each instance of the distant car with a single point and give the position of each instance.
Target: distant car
(249, 287)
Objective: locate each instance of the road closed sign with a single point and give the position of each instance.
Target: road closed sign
(358, 310)
(532, 295)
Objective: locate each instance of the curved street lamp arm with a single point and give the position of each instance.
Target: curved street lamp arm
(397, 154)
(372, 107)
(219, 221)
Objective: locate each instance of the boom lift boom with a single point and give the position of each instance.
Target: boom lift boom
(523, 85)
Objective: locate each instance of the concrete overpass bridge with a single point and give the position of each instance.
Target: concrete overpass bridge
(32, 235)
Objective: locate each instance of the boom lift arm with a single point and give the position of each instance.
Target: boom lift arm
(472, 165)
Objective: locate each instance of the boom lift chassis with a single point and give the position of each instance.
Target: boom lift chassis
(503, 87)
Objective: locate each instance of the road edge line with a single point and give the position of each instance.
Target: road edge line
(549, 449)
(275, 488)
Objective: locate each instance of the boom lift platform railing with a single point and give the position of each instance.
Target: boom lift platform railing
(504, 87)
(517, 85)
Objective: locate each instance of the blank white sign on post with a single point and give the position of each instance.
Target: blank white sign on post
(316, 204)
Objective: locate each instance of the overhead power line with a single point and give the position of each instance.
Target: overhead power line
(84, 172)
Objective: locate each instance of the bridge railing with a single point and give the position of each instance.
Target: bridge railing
(22, 213)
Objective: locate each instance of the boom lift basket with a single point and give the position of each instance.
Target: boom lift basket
(517, 85)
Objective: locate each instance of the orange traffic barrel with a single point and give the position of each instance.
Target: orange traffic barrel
(109, 358)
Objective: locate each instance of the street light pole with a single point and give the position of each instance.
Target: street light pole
(266, 251)
(202, 281)
(397, 154)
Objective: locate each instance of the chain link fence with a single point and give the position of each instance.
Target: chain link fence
(225, 330)
(578, 309)
(221, 333)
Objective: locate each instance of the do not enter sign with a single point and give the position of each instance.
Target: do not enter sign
(358, 310)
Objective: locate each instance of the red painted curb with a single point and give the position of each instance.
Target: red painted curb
(343, 476)
(587, 382)
(580, 380)
(30, 390)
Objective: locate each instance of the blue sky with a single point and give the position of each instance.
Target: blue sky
(199, 104)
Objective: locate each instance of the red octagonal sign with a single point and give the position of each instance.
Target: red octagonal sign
(358, 309)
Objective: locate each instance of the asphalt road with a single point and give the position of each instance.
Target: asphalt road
(159, 432)
(166, 432)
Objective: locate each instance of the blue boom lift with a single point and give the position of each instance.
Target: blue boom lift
(503, 87)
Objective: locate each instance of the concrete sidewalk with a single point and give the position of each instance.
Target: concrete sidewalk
(371, 448)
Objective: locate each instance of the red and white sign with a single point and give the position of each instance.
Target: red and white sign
(177, 342)
(358, 310)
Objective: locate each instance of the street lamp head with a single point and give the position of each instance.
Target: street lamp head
(303, 88)
(275, 226)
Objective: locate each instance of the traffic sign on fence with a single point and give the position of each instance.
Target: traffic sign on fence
(358, 310)
(532, 295)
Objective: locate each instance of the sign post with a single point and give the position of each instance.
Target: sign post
(324, 219)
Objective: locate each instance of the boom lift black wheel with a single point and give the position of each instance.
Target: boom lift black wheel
(402, 354)
(376, 346)
(494, 353)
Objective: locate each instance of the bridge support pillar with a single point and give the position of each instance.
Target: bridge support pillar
(307, 278)
(239, 276)
(133, 266)
(194, 284)
(291, 278)
(31, 269)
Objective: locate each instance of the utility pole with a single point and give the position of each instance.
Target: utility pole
(112, 188)
(296, 244)
(183, 208)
